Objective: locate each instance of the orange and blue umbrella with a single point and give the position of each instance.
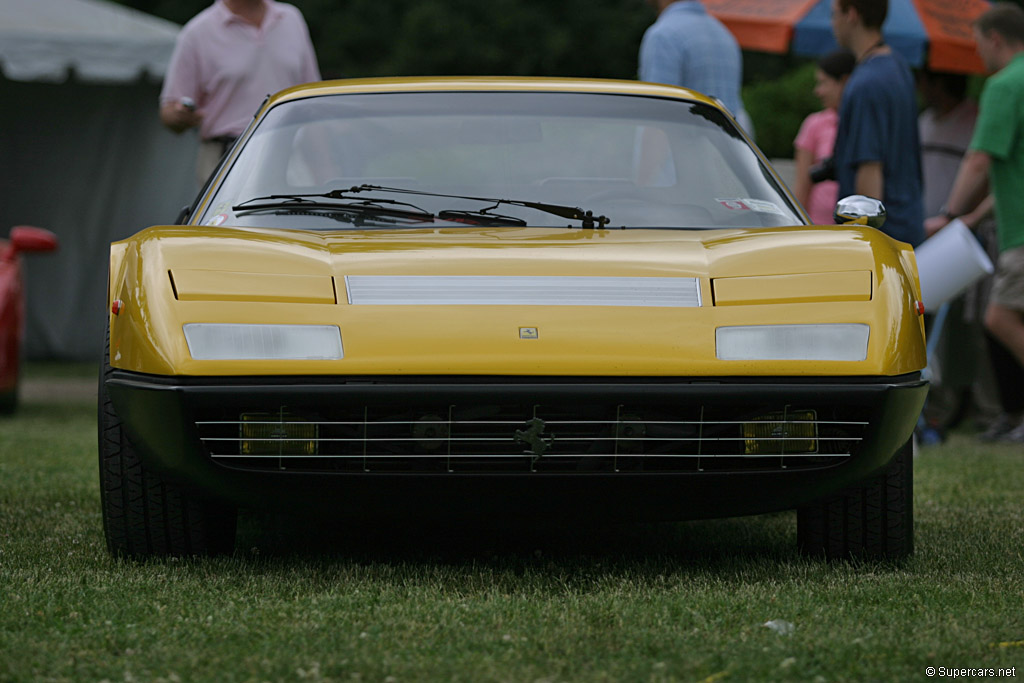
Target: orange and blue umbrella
(928, 33)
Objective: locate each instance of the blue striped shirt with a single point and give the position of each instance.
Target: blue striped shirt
(688, 47)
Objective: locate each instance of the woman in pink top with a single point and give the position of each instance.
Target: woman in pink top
(817, 137)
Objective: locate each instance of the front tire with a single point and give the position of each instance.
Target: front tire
(143, 514)
(872, 520)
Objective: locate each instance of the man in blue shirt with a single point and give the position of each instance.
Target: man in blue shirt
(688, 47)
(877, 150)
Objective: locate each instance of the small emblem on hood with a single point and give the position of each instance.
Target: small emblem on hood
(534, 437)
(529, 333)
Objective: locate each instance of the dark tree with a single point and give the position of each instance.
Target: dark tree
(597, 38)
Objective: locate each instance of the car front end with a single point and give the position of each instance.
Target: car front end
(487, 314)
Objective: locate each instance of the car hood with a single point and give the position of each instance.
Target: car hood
(523, 250)
(518, 300)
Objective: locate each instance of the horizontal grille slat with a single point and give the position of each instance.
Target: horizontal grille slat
(470, 439)
(592, 455)
(548, 422)
(493, 438)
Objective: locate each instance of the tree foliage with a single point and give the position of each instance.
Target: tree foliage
(778, 107)
(597, 38)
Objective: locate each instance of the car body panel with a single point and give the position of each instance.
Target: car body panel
(23, 239)
(12, 317)
(484, 339)
(834, 286)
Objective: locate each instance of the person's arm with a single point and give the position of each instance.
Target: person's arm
(180, 82)
(971, 185)
(310, 67)
(870, 180)
(804, 159)
(177, 117)
(983, 211)
(969, 189)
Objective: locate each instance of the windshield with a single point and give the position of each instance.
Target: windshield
(640, 162)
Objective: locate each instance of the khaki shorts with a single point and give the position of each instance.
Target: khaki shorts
(210, 154)
(1008, 287)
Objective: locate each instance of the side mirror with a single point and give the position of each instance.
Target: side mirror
(27, 238)
(183, 215)
(860, 210)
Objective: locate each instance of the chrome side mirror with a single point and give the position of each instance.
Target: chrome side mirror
(860, 210)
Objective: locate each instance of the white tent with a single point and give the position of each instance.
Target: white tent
(83, 153)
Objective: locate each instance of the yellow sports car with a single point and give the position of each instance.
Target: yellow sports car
(502, 299)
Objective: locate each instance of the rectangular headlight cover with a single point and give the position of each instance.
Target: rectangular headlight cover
(827, 342)
(227, 341)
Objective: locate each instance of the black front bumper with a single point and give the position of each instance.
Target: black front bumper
(551, 448)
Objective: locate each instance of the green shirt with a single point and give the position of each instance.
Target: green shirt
(999, 132)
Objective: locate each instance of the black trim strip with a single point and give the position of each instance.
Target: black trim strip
(136, 378)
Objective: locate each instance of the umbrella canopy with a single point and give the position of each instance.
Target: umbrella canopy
(97, 40)
(932, 33)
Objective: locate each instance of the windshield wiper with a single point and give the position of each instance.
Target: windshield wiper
(483, 217)
(297, 203)
(588, 219)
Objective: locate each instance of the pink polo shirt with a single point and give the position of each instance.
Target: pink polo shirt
(818, 135)
(228, 66)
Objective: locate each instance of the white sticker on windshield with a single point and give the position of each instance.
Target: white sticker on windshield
(217, 220)
(748, 204)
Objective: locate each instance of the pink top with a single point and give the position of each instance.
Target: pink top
(228, 66)
(818, 135)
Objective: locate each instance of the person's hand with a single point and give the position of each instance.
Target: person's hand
(178, 117)
(934, 224)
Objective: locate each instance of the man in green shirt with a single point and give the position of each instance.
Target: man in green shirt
(996, 160)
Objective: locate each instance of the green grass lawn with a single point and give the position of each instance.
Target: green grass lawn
(61, 370)
(299, 601)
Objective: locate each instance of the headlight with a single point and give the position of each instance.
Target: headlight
(222, 341)
(793, 342)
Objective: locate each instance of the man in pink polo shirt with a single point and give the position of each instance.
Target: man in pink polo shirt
(226, 60)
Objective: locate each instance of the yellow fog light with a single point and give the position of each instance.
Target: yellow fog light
(782, 433)
(277, 434)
